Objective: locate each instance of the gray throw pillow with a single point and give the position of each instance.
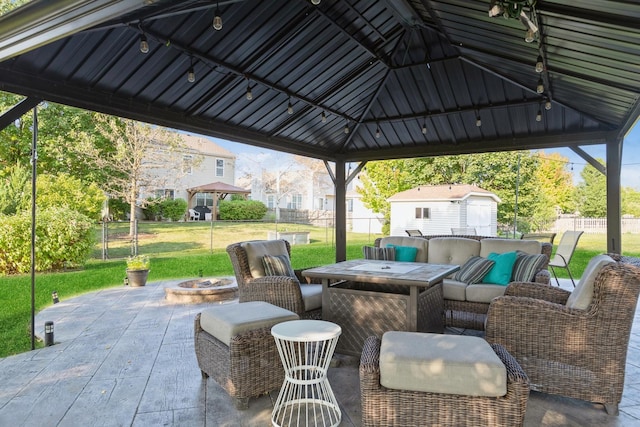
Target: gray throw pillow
(473, 270)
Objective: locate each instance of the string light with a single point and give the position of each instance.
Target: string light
(144, 45)
(540, 87)
(346, 127)
(315, 2)
(249, 95)
(478, 120)
(290, 107)
(539, 65)
(377, 131)
(547, 105)
(217, 20)
(323, 117)
(424, 128)
(191, 75)
(539, 116)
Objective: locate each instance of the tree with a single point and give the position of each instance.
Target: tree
(140, 157)
(630, 202)
(591, 193)
(555, 183)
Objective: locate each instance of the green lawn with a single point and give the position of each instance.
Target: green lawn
(182, 250)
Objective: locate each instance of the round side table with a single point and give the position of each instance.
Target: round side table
(306, 398)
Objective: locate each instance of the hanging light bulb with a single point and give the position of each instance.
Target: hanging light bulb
(530, 36)
(547, 105)
(144, 45)
(217, 20)
(315, 2)
(377, 131)
(540, 87)
(539, 65)
(539, 116)
(323, 117)
(346, 128)
(290, 107)
(249, 94)
(424, 128)
(478, 120)
(191, 75)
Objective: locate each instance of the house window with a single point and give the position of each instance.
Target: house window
(296, 202)
(350, 205)
(219, 167)
(187, 164)
(204, 199)
(165, 193)
(271, 202)
(319, 203)
(423, 213)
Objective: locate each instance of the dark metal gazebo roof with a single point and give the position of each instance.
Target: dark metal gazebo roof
(388, 66)
(404, 78)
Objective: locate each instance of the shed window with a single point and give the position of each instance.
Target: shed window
(423, 213)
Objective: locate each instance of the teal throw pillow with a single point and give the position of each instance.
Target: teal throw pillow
(500, 273)
(405, 253)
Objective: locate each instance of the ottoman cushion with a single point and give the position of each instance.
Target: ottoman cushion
(450, 364)
(225, 321)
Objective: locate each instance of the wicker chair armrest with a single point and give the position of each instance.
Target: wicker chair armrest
(370, 364)
(306, 280)
(520, 322)
(515, 374)
(537, 291)
(543, 276)
(283, 291)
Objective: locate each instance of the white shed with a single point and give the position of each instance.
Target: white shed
(441, 209)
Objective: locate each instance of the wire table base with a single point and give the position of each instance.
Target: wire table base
(306, 398)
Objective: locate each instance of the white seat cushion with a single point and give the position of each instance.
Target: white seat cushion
(454, 290)
(258, 249)
(312, 296)
(582, 295)
(484, 292)
(227, 320)
(435, 363)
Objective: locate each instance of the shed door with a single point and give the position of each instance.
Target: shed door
(479, 216)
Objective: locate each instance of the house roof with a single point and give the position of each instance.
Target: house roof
(218, 187)
(442, 192)
(393, 66)
(205, 146)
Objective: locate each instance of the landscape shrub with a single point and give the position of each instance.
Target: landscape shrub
(173, 209)
(239, 210)
(64, 239)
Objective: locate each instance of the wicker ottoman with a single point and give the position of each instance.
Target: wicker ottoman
(440, 380)
(234, 346)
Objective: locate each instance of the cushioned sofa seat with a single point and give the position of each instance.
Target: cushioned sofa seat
(466, 304)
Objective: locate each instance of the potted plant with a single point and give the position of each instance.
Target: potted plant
(137, 270)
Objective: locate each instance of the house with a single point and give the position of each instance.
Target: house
(440, 209)
(201, 162)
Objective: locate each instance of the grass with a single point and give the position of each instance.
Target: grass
(180, 250)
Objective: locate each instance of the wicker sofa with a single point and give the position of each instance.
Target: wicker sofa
(466, 306)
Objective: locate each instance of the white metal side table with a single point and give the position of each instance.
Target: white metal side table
(306, 398)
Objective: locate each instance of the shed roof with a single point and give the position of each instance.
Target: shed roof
(442, 193)
(218, 187)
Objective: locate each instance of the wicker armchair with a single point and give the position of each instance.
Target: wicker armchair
(568, 351)
(382, 406)
(284, 291)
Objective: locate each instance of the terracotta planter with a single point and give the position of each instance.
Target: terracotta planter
(137, 277)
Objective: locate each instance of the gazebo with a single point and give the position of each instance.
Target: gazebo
(219, 190)
(343, 80)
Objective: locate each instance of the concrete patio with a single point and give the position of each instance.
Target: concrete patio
(124, 357)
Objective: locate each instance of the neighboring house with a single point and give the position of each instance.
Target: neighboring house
(437, 209)
(360, 218)
(201, 162)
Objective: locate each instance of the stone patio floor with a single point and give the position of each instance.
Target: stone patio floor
(124, 357)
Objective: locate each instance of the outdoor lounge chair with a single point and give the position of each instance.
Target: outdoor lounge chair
(288, 291)
(564, 253)
(571, 343)
(194, 215)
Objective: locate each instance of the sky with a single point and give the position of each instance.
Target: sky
(250, 157)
